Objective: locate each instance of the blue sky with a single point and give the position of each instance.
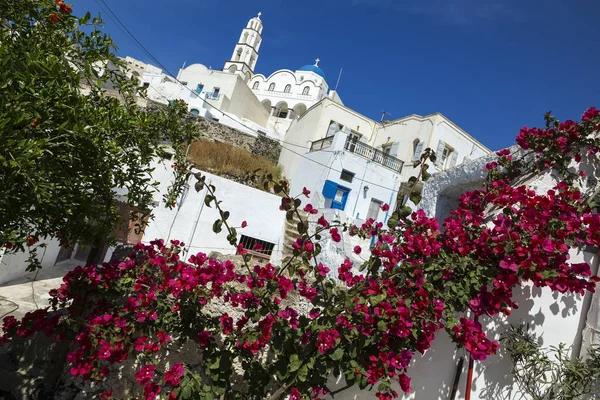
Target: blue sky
(490, 66)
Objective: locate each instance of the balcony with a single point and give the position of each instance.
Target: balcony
(321, 144)
(352, 145)
(212, 96)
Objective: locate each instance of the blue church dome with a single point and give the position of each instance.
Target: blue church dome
(313, 68)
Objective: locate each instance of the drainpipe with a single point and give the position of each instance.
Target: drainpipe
(457, 375)
(590, 333)
(470, 374)
(362, 181)
(387, 213)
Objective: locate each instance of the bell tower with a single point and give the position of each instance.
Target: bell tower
(245, 54)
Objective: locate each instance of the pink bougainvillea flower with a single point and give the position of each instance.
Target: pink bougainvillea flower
(305, 192)
(173, 375)
(357, 249)
(145, 374)
(204, 338)
(335, 236)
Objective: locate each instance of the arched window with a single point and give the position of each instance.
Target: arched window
(306, 90)
(271, 87)
(255, 86)
(287, 88)
(417, 149)
(195, 111)
(238, 54)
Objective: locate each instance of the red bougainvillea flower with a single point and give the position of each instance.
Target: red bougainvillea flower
(145, 374)
(305, 192)
(54, 18)
(294, 394)
(323, 222)
(204, 338)
(335, 235)
(385, 207)
(357, 249)
(174, 374)
(244, 224)
(310, 209)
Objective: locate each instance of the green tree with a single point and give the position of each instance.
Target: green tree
(68, 143)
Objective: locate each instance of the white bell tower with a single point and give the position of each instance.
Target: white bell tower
(244, 57)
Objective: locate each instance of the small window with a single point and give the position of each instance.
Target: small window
(255, 86)
(271, 87)
(199, 88)
(283, 113)
(195, 111)
(216, 91)
(306, 91)
(287, 88)
(184, 83)
(445, 155)
(260, 249)
(387, 149)
(374, 208)
(347, 175)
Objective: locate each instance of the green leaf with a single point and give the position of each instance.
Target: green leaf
(217, 226)
(295, 362)
(337, 354)
(303, 373)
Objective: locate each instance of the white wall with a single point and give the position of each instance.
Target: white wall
(313, 125)
(235, 97)
(13, 266)
(317, 167)
(429, 130)
(555, 318)
(297, 80)
(258, 208)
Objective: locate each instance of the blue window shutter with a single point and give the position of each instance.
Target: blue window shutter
(329, 189)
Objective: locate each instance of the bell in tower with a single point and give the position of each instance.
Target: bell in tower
(245, 54)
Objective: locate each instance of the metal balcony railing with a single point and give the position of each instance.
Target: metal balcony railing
(321, 144)
(354, 146)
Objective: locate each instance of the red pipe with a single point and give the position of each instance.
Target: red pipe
(469, 379)
(470, 374)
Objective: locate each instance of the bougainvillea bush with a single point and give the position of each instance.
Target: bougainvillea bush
(423, 276)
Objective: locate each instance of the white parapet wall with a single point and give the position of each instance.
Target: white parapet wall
(191, 221)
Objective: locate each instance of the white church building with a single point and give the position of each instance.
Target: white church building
(351, 162)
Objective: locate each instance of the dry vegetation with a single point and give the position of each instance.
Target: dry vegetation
(228, 161)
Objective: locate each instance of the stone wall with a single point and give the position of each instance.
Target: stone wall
(258, 145)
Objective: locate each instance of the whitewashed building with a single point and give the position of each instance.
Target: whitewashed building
(356, 163)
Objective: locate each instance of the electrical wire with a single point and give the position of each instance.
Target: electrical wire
(125, 30)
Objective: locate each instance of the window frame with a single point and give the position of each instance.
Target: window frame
(348, 174)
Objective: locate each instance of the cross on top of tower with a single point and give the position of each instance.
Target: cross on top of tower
(259, 14)
(317, 62)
